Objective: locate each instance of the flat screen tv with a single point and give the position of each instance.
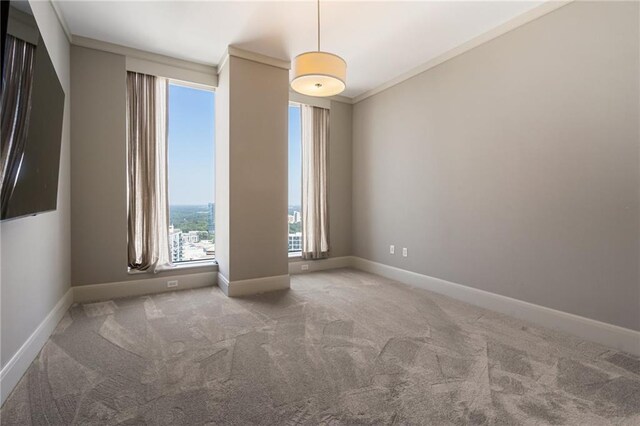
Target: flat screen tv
(32, 102)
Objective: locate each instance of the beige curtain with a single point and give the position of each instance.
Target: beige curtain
(315, 212)
(17, 81)
(148, 229)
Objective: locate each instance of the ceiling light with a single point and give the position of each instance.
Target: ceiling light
(319, 73)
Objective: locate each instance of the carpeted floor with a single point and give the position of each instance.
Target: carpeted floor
(340, 347)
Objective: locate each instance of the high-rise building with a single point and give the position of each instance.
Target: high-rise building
(211, 222)
(175, 244)
(190, 237)
(295, 242)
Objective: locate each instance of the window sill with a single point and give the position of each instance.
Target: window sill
(182, 265)
(295, 254)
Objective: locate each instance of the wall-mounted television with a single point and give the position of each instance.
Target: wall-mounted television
(32, 102)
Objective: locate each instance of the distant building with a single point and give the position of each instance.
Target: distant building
(194, 252)
(295, 242)
(211, 223)
(175, 244)
(296, 217)
(190, 237)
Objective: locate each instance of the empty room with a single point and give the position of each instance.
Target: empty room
(320, 212)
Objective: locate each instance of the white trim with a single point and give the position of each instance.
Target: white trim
(158, 284)
(253, 285)
(207, 79)
(324, 102)
(15, 368)
(606, 334)
(309, 100)
(512, 24)
(141, 54)
(341, 98)
(63, 22)
(194, 85)
(252, 56)
(223, 283)
(518, 21)
(295, 266)
(191, 264)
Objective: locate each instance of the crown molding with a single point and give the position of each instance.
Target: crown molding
(142, 54)
(510, 25)
(63, 22)
(252, 56)
(341, 98)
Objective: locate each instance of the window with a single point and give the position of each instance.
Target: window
(190, 158)
(295, 179)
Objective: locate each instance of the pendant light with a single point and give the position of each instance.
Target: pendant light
(319, 73)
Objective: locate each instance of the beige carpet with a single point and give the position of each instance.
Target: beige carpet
(340, 347)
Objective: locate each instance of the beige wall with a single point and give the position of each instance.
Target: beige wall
(340, 149)
(35, 270)
(339, 175)
(514, 168)
(255, 157)
(98, 170)
(98, 152)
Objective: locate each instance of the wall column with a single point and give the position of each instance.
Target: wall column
(251, 173)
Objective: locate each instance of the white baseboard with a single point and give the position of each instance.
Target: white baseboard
(108, 291)
(253, 286)
(606, 334)
(15, 368)
(295, 267)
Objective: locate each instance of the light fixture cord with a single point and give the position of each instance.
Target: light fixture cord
(318, 25)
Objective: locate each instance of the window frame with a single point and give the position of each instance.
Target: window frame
(199, 86)
(294, 254)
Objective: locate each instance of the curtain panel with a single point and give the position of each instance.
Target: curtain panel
(148, 218)
(315, 211)
(17, 82)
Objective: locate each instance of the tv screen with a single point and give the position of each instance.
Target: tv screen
(32, 102)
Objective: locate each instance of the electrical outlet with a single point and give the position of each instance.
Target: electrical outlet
(304, 267)
(171, 284)
(392, 249)
(405, 252)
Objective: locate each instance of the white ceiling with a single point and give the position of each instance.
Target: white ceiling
(379, 40)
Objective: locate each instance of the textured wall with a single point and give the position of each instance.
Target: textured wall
(514, 168)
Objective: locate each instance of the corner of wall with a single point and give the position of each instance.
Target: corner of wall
(28, 321)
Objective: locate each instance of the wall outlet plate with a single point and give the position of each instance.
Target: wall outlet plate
(392, 249)
(171, 284)
(405, 252)
(304, 267)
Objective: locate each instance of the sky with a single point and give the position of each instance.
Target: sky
(191, 153)
(295, 157)
(191, 146)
